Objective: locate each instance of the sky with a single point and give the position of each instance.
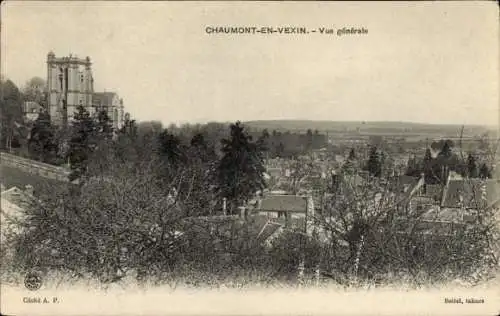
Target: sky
(420, 62)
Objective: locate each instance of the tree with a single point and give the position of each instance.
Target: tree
(35, 90)
(472, 169)
(170, 149)
(411, 166)
(264, 140)
(202, 149)
(428, 167)
(11, 113)
(350, 164)
(82, 142)
(241, 169)
(446, 149)
(300, 171)
(484, 172)
(280, 149)
(151, 127)
(446, 161)
(42, 144)
(104, 127)
(352, 155)
(366, 231)
(196, 188)
(374, 165)
(129, 127)
(309, 140)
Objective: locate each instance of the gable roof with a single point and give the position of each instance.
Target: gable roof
(471, 193)
(284, 203)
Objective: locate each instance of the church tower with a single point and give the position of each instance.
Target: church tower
(70, 84)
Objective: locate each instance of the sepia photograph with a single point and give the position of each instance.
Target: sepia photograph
(249, 158)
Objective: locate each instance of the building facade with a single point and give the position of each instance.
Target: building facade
(112, 105)
(70, 84)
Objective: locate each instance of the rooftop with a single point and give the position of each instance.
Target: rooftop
(471, 193)
(284, 203)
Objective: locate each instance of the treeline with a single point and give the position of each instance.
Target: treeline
(134, 190)
(233, 171)
(14, 129)
(276, 143)
(437, 169)
(290, 145)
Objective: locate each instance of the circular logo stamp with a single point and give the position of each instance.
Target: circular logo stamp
(33, 281)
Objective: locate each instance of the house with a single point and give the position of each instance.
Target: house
(31, 110)
(460, 201)
(436, 221)
(434, 191)
(112, 105)
(470, 193)
(226, 231)
(402, 183)
(290, 209)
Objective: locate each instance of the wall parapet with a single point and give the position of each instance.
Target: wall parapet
(35, 167)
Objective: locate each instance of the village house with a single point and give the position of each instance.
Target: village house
(31, 110)
(473, 194)
(290, 210)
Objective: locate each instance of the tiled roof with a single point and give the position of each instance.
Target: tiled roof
(399, 183)
(469, 193)
(432, 190)
(284, 203)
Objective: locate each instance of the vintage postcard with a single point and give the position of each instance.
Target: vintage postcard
(249, 158)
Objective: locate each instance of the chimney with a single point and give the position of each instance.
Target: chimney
(29, 189)
(224, 206)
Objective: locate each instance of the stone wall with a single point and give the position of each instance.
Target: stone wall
(35, 167)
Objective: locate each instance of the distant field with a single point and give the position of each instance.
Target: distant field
(15, 177)
(373, 128)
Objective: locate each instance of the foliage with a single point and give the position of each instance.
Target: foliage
(42, 143)
(351, 164)
(374, 164)
(472, 168)
(367, 231)
(82, 143)
(436, 170)
(241, 169)
(35, 90)
(11, 114)
(148, 202)
(171, 151)
(103, 126)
